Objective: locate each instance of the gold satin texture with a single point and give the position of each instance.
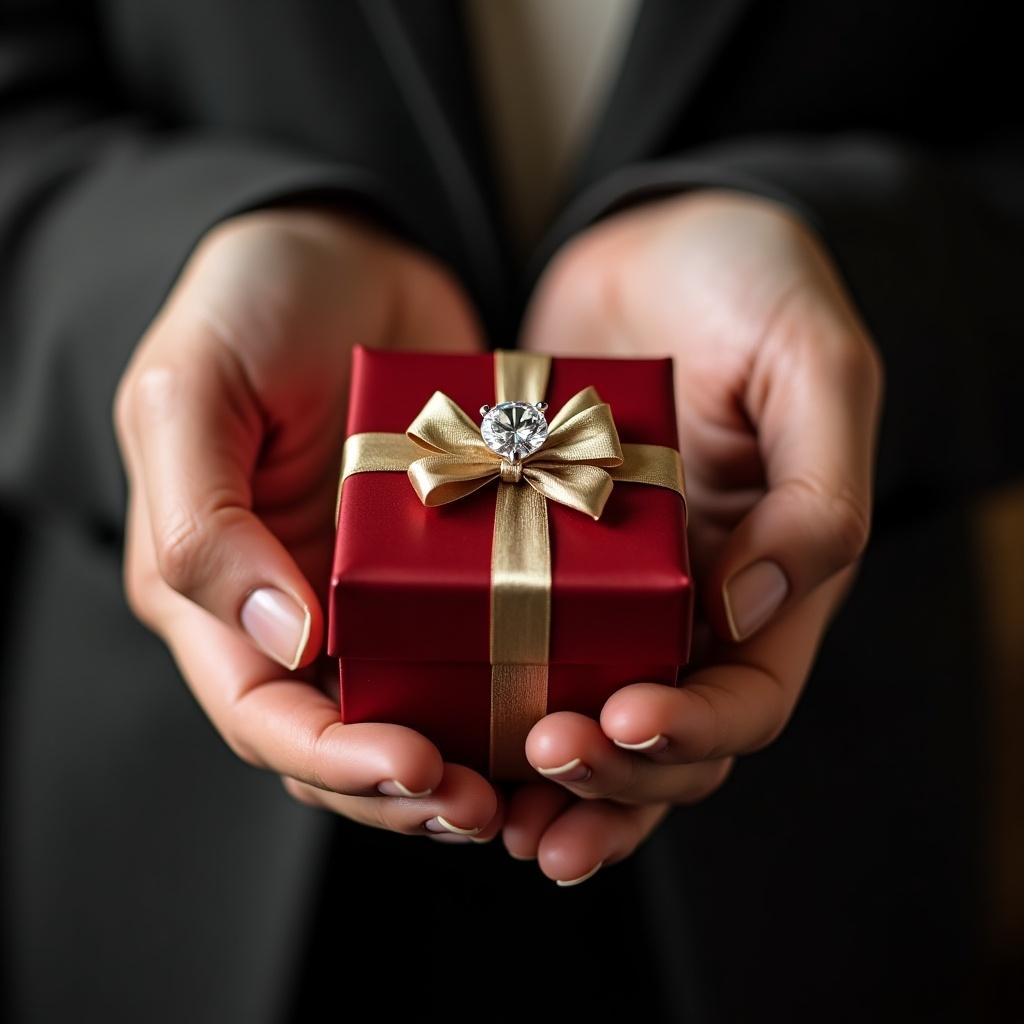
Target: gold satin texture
(446, 459)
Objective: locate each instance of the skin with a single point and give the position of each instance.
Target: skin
(230, 417)
(779, 391)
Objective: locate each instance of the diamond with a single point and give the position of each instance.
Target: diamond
(514, 429)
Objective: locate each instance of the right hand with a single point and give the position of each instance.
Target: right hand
(230, 418)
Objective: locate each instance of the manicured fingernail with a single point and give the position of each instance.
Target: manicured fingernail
(278, 624)
(392, 787)
(475, 839)
(576, 881)
(446, 838)
(651, 746)
(572, 771)
(753, 596)
(439, 824)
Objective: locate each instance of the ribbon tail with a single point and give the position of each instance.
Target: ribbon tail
(580, 486)
(520, 625)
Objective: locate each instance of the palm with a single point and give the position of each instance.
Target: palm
(290, 302)
(776, 389)
(703, 287)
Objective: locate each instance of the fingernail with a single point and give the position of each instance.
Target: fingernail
(278, 624)
(576, 881)
(475, 839)
(572, 771)
(439, 824)
(392, 787)
(446, 838)
(752, 596)
(651, 746)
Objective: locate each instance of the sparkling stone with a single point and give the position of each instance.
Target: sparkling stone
(514, 430)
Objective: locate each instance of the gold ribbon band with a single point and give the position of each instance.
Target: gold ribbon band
(652, 464)
(520, 623)
(520, 588)
(446, 459)
(520, 376)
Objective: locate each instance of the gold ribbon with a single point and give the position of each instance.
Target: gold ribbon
(446, 458)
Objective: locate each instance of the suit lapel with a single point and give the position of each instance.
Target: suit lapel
(424, 45)
(672, 48)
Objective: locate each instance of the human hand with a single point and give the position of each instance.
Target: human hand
(779, 390)
(230, 418)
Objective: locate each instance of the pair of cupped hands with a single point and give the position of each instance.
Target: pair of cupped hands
(230, 418)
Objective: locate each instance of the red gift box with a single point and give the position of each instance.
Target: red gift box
(409, 616)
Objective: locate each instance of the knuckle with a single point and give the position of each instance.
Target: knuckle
(316, 768)
(852, 359)
(155, 386)
(191, 541)
(843, 514)
(180, 554)
(706, 739)
(151, 390)
(850, 521)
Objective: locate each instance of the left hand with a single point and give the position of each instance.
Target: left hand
(779, 392)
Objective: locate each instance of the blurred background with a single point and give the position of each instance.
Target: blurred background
(999, 555)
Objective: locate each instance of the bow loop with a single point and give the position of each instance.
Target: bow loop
(442, 427)
(587, 436)
(438, 479)
(567, 468)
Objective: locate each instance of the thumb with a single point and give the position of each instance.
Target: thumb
(193, 432)
(816, 420)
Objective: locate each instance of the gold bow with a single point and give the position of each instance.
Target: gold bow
(569, 468)
(577, 466)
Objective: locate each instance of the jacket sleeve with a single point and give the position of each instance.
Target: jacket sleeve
(100, 206)
(930, 247)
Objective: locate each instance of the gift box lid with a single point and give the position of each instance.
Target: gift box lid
(413, 583)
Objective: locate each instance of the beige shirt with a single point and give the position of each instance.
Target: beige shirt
(544, 67)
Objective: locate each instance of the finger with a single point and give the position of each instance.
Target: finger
(590, 835)
(572, 750)
(462, 806)
(490, 831)
(732, 707)
(196, 434)
(531, 808)
(289, 726)
(814, 397)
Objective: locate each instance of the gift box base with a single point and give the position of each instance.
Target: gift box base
(449, 702)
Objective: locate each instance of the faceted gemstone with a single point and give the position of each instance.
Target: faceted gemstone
(514, 430)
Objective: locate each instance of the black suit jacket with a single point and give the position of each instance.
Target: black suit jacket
(149, 876)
